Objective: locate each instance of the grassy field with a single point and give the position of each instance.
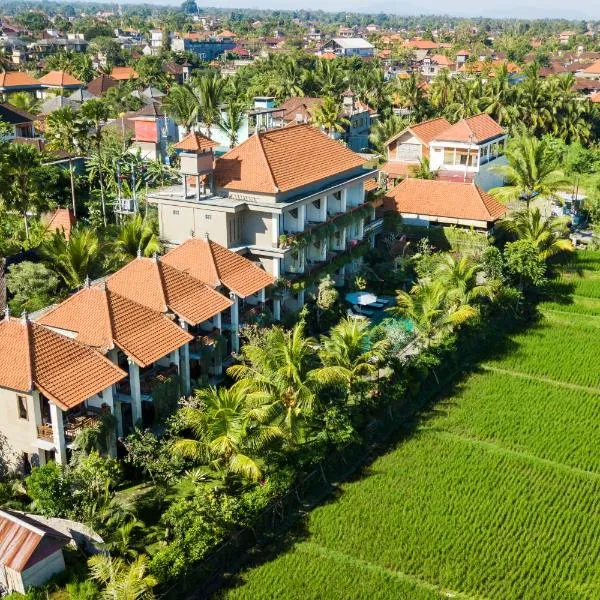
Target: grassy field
(495, 496)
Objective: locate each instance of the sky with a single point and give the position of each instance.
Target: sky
(575, 9)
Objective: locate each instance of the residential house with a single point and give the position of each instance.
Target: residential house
(342, 46)
(51, 386)
(30, 552)
(564, 37)
(141, 342)
(55, 103)
(298, 109)
(360, 118)
(154, 130)
(17, 81)
(591, 71)
(20, 122)
(96, 87)
(197, 307)
(273, 198)
(206, 47)
(432, 65)
(426, 203)
(123, 74)
(179, 72)
(58, 82)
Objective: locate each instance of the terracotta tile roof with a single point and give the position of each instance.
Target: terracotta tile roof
(215, 265)
(282, 160)
(123, 73)
(593, 69)
(24, 541)
(303, 106)
(162, 287)
(98, 86)
(14, 116)
(595, 98)
(59, 79)
(397, 169)
(477, 129)
(105, 320)
(371, 185)
(447, 199)
(442, 60)
(425, 131)
(62, 219)
(10, 79)
(65, 371)
(421, 44)
(328, 55)
(195, 142)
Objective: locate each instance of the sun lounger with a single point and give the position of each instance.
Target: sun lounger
(362, 311)
(376, 305)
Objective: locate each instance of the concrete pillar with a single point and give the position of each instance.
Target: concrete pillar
(235, 323)
(217, 322)
(277, 308)
(275, 228)
(276, 269)
(324, 208)
(108, 399)
(136, 393)
(361, 229)
(58, 432)
(344, 200)
(184, 188)
(300, 299)
(184, 363)
(301, 217)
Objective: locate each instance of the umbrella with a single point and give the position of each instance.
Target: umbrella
(361, 298)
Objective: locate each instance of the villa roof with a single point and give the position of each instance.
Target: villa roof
(284, 159)
(105, 320)
(442, 60)
(64, 370)
(124, 73)
(161, 287)
(593, 69)
(98, 86)
(477, 129)
(446, 199)
(300, 105)
(62, 219)
(17, 79)
(195, 142)
(215, 265)
(59, 79)
(425, 131)
(14, 116)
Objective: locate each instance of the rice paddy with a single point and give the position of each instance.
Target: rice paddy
(495, 496)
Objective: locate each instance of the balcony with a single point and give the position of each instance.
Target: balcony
(74, 425)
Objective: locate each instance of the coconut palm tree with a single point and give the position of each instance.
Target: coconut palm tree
(410, 95)
(330, 117)
(462, 277)
(431, 310)
(531, 171)
(547, 234)
(64, 131)
(25, 101)
(423, 171)
(122, 581)
(210, 90)
(441, 90)
(136, 238)
(182, 104)
(232, 119)
(230, 430)
(75, 259)
(330, 77)
(386, 129)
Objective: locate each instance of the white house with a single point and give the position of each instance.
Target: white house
(349, 47)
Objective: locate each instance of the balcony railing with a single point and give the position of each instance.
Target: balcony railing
(73, 427)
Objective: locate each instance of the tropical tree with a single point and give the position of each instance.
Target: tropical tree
(329, 116)
(122, 581)
(230, 430)
(423, 170)
(410, 95)
(136, 238)
(386, 129)
(232, 120)
(210, 91)
(64, 131)
(462, 278)
(25, 101)
(531, 171)
(549, 235)
(182, 104)
(73, 259)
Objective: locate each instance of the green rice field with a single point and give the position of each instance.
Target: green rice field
(496, 495)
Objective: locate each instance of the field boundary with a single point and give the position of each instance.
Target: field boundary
(494, 447)
(313, 549)
(554, 382)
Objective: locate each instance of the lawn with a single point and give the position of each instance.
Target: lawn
(496, 494)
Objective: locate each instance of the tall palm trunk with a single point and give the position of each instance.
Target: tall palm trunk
(102, 199)
(72, 186)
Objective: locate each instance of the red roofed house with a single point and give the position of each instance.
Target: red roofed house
(432, 65)
(424, 202)
(17, 81)
(63, 220)
(57, 82)
(30, 552)
(124, 73)
(590, 72)
(276, 187)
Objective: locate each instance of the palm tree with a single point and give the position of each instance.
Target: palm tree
(281, 371)
(330, 117)
(386, 129)
(136, 237)
(210, 90)
(182, 104)
(531, 171)
(409, 94)
(25, 101)
(548, 235)
(230, 430)
(431, 310)
(423, 171)
(95, 113)
(122, 581)
(232, 120)
(441, 90)
(64, 131)
(461, 277)
(330, 77)
(348, 355)
(75, 259)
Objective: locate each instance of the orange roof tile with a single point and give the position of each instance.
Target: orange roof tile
(425, 131)
(10, 79)
(328, 55)
(162, 287)
(595, 98)
(59, 79)
(62, 219)
(284, 159)
(123, 73)
(100, 84)
(593, 69)
(105, 320)
(442, 60)
(195, 142)
(421, 44)
(477, 129)
(371, 185)
(447, 199)
(64, 370)
(215, 265)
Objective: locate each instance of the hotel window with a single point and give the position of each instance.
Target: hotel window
(465, 157)
(449, 156)
(22, 407)
(408, 152)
